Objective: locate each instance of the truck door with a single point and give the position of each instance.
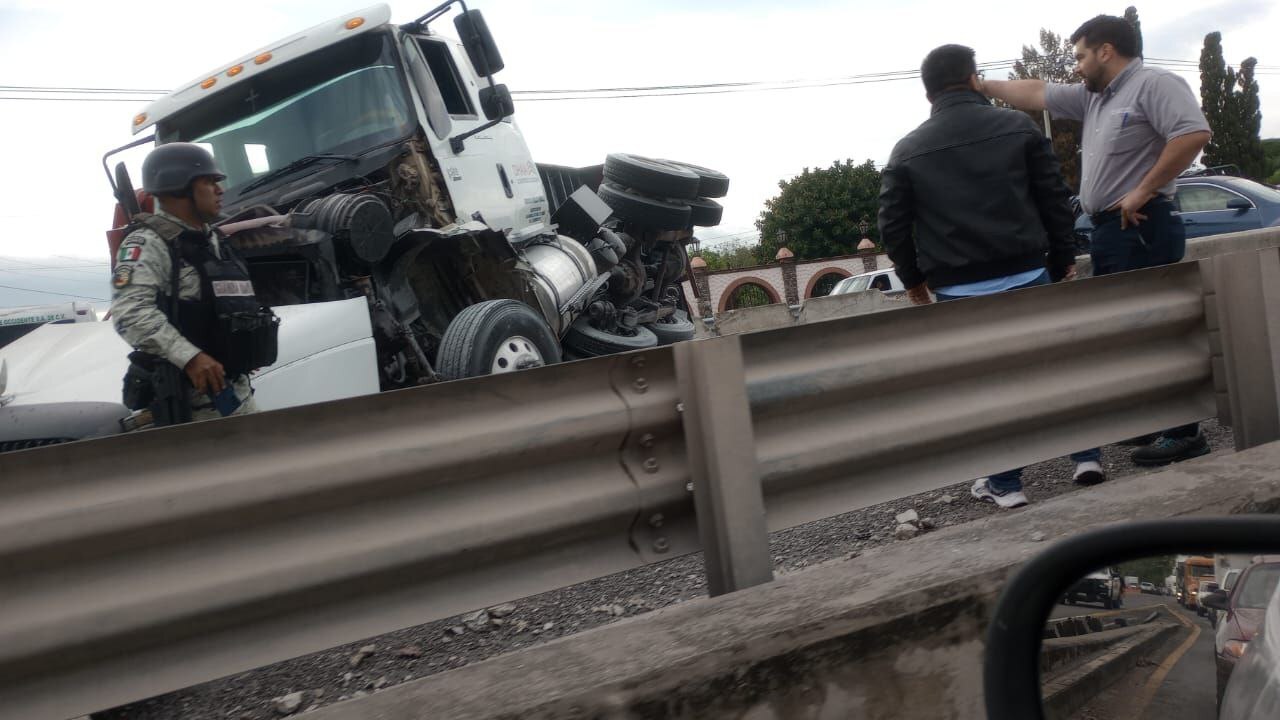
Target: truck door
(494, 178)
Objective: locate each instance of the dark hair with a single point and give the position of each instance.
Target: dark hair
(1108, 29)
(946, 67)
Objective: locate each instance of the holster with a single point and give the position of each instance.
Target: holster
(158, 385)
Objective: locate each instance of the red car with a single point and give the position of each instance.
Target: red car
(1245, 608)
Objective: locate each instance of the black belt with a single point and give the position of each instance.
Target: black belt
(1106, 216)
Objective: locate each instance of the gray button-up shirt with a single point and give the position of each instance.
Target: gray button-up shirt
(1126, 127)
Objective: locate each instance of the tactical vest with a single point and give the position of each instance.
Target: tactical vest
(227, 322)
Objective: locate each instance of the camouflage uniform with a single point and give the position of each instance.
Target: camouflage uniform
(143, 272)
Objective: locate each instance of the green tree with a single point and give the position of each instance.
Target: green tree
(1153, 569)
(729, 256)
(1131, 14)
(1055, 62)
(1271, 148)
(1230, 104)
(817, 213)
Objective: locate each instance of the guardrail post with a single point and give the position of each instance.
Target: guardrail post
(1247, 294)
(720, 443)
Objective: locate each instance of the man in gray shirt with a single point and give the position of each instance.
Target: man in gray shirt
(1142, 128)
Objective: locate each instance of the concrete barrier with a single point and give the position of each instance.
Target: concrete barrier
(895, 633)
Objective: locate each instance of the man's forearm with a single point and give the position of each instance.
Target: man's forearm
(1176, 157)
(1022, 94)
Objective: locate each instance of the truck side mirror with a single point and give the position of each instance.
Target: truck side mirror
(496, 102)
(481, 48)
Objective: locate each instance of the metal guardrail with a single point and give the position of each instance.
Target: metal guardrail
(136, 565)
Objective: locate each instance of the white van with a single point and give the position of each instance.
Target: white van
(886, 281)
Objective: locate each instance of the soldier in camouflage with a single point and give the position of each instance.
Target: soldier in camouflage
(184, 179)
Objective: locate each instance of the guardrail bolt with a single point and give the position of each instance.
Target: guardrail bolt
(651, 465)
(641, 385)
(656, 520)
(638, 361)
(647, 441)
(660, 545)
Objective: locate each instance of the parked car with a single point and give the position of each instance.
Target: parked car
(1244, 609)
(886, 281)
(1101, 586)
(1148, 588)
(1212, 205)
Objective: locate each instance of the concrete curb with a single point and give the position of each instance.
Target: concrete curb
(1070, 690)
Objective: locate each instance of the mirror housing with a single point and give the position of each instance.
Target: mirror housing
(476, 38)
(1216, 600)
(1239, 204)
(496, 102)
(1010, 673)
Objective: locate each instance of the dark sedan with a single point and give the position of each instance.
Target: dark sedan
(1215, 204)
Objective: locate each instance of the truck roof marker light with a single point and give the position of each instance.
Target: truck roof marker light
(263, 58)
(208, 83)
(139, 118)
(236, 70)
(354, 23)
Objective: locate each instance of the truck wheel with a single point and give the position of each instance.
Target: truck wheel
(655, 213)
(586, 341)
(651, 177)
(712, 184)
(705, 213)
(495, 336)
(674, 328)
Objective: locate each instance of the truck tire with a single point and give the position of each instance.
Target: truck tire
(586, 341)
(495, 336)
(652, 177)
(675, 328)
(712, 184)
(652, 212)
(705, 213)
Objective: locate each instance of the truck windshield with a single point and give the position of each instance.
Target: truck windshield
(344, 99)
(1201, 570)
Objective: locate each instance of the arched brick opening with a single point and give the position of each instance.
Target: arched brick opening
(769, 290)
(824, 272)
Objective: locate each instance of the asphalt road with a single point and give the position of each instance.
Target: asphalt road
(1177, 681)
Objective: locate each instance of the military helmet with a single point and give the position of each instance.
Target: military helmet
(171, 167)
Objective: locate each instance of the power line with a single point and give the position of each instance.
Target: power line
(50, 292)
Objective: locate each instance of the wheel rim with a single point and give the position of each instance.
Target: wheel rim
(516, 353)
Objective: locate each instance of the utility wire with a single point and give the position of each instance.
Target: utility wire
(48, 292)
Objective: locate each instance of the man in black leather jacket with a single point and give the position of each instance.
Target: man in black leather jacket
(973, 195)
(973, 202)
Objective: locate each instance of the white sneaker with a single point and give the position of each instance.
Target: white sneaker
(981, 490)
(1089, 473)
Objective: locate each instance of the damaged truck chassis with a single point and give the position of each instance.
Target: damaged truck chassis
(366, 159)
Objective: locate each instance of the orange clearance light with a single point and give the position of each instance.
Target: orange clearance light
(208, 83)
(235, 71)
(354, 23)
(264, 57)
(139, 118)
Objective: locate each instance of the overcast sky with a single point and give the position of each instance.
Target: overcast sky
(55, 203)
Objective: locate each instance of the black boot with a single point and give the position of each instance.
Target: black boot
(1167, 450)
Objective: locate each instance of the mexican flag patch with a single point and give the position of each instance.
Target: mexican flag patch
(129, 253)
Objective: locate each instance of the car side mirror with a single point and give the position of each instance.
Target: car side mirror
(1239, 204)
(1018, 628)
(496, 102)
(1216, 600)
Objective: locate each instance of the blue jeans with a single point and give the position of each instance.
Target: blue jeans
(1011, 480)
(1161, 239)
